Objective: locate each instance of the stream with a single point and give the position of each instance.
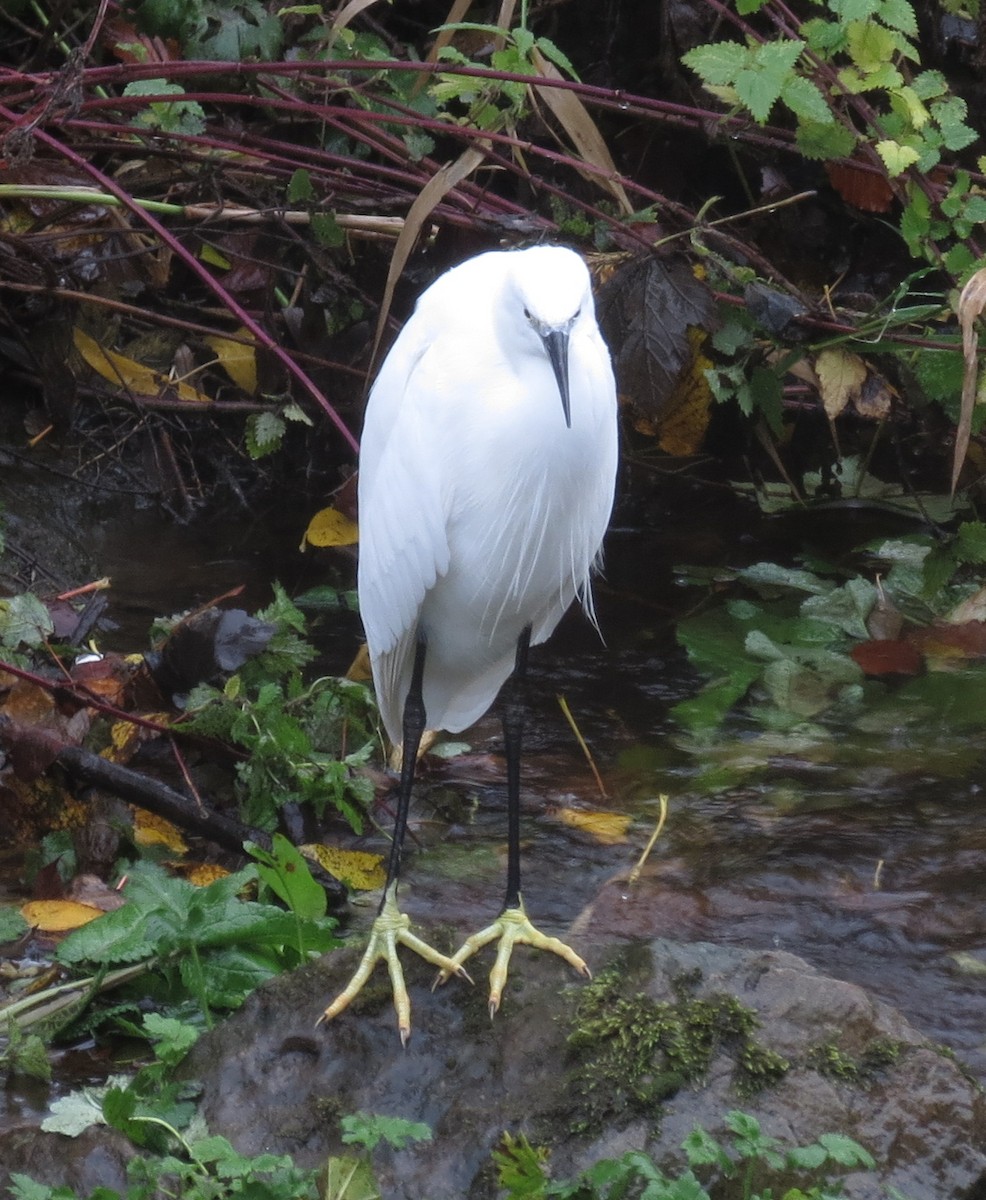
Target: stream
(861, 851)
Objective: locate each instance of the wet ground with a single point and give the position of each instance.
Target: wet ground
(863, 851)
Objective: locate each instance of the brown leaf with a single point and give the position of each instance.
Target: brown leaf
(655, 314)
(887, 657)
(951, 644)
(866, 190)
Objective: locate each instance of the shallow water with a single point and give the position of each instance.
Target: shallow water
(861, 849)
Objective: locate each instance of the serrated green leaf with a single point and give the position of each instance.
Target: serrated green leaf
(556, 56)
(819, 141)
(300, 187)
(12, 924)
(896, 158)
(717, 64)
(264, 432)
(899, 14)
(758, 91)
(854, 10)
(870, 46)
(805, 100)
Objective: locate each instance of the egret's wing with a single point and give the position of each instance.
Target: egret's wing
(403, 542)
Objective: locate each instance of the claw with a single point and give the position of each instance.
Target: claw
(390, 930)
(511, 928)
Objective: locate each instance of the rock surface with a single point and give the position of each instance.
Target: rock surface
(574, 1067)
(273, 1082)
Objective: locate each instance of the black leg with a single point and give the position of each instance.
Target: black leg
(514, 704)
(413, 728)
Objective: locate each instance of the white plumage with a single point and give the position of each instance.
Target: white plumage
(481, 512)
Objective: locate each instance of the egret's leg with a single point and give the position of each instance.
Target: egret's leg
(392, 927)
(512, 927)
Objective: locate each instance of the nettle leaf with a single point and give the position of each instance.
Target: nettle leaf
(896, 157)
(930, 84)
(899, 14)
(264, 432)
(805, 100)
(717, 64)
(854, 10)
(824, 37)
(818, 141)
(870, 45)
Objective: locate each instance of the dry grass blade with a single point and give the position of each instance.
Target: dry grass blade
(563, 705)
(574, 118)
(661, 819)
(430, 195)
(971, 304)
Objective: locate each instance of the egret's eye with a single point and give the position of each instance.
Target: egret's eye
(527, 314)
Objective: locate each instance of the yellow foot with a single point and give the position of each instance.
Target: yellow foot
(511, 928)
(390, 929)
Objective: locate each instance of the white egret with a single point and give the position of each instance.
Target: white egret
(487, 469)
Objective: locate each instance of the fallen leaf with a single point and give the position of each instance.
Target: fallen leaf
(202, 874)
(126, 372)
(885, 656)
(607, 828)
(237, 359)
(152, 830)
(57, 916)
(330, 527)
(357, 869)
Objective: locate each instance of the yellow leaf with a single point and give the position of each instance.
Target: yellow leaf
(841, 375)
(608, 828)
(202, 874)
(239, 361)
(152, 830)
(330, 527)
(355, 868)
(56, 916)
(682, 430)
(127, 372)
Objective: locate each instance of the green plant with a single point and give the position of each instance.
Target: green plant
(206, 942)
(296, 736)
(742, 1168)
(848, 77)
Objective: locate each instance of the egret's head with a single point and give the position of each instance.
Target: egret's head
(549, 292)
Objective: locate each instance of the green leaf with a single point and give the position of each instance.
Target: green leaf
(327, 230)
(896, 158)
(846, 1152)
(899, 14)
(717, 64)
(348, 1178)
(824, 141)
(870, 46)
(370, 1129)
(805, 100)
(264, 432)
(12, 924)
(287, 874)
(24, 621)
(554, 55)
(300, 187)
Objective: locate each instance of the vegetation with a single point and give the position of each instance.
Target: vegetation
(205, 207)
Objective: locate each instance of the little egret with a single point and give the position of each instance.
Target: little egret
(487, 469)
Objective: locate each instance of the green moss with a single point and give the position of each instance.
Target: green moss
(633, 1052)
(831, 1060)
